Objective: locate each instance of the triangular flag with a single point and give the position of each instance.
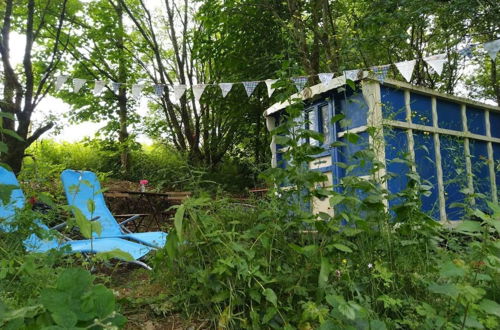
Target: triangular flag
(492, 48)
(269, 84)
(98, 86)
(300, 83)
(436, 62)
(198, 91)
(352, 74)
(225, 88)
(115, 86)
(179, 90)
(159, 90)
(381, 71)
(78, 84)
(466, 51)
(60, 81)
(325, 78)
(136, 90)
(250, 86)
(406, 68)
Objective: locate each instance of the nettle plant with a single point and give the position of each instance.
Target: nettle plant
(369, 266)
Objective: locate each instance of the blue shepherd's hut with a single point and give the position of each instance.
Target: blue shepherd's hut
(454, 142)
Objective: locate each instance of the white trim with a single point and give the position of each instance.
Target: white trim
(316, 90)
(468, 162)
(402, 124)
(439, 167)
(355, 130)
(409, 131)
(491, 159)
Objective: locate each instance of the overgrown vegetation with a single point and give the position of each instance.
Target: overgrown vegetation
(276, 265)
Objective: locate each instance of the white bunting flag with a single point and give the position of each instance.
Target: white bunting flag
(136, 90)
(179, 90)
(225, 88)
(250, 86)
(406, 68)
(300, 83)
(436, 62)
(198, 91)
(60, 82)
(381, 72)
(492, 47)
(269, 84)
(78, 84)
(325, 78)
(159, 89)
(98, 86)
(115, 86)
(352, 74)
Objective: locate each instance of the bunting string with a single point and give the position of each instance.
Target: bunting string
(435, 64)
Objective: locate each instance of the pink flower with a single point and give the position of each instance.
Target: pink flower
(143, 182)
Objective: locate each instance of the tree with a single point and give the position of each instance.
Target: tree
(99, 52)
(46, 27)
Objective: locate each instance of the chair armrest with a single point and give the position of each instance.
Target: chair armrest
(132, 218)
(63, 224)
(59, 226)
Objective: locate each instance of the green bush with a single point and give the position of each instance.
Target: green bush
(275, 265)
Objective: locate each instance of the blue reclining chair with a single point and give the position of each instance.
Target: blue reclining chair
(82, 186)
(35, 244)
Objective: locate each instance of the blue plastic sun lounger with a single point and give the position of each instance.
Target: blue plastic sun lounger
(36, 244)
(82, 186)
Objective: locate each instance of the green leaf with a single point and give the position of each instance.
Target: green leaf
(490, 307)
(12, 134)
(115, 253)
(324, 272)
(342, 247)
(449, 269)
(178, 219)
(271, 296)
(445, 289)
(337, 118)
(468, 226)
(91, 206)
(64, 318)
(7, 115)
(352, 137)
(270, 312)
(336, 199)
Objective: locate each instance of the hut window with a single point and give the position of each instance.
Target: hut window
(311, 123)
(325, 124)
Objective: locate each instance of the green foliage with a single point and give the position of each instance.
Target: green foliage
(73, 303)
(276, 265)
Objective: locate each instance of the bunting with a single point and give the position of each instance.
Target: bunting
(436, 62)
(325, 77)
(352, 74)
(78, 84)
(98, 86)
(198, 91)
(115, 86)
(381, 72)
(406, 68)
(269, 84)
(225, 88)
(179, 90)
(300, 82)
(159, 89)
(136, 91)
(492, 48)
(250, 86)
(60, 82)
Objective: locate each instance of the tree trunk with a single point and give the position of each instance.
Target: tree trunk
(123, 136)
